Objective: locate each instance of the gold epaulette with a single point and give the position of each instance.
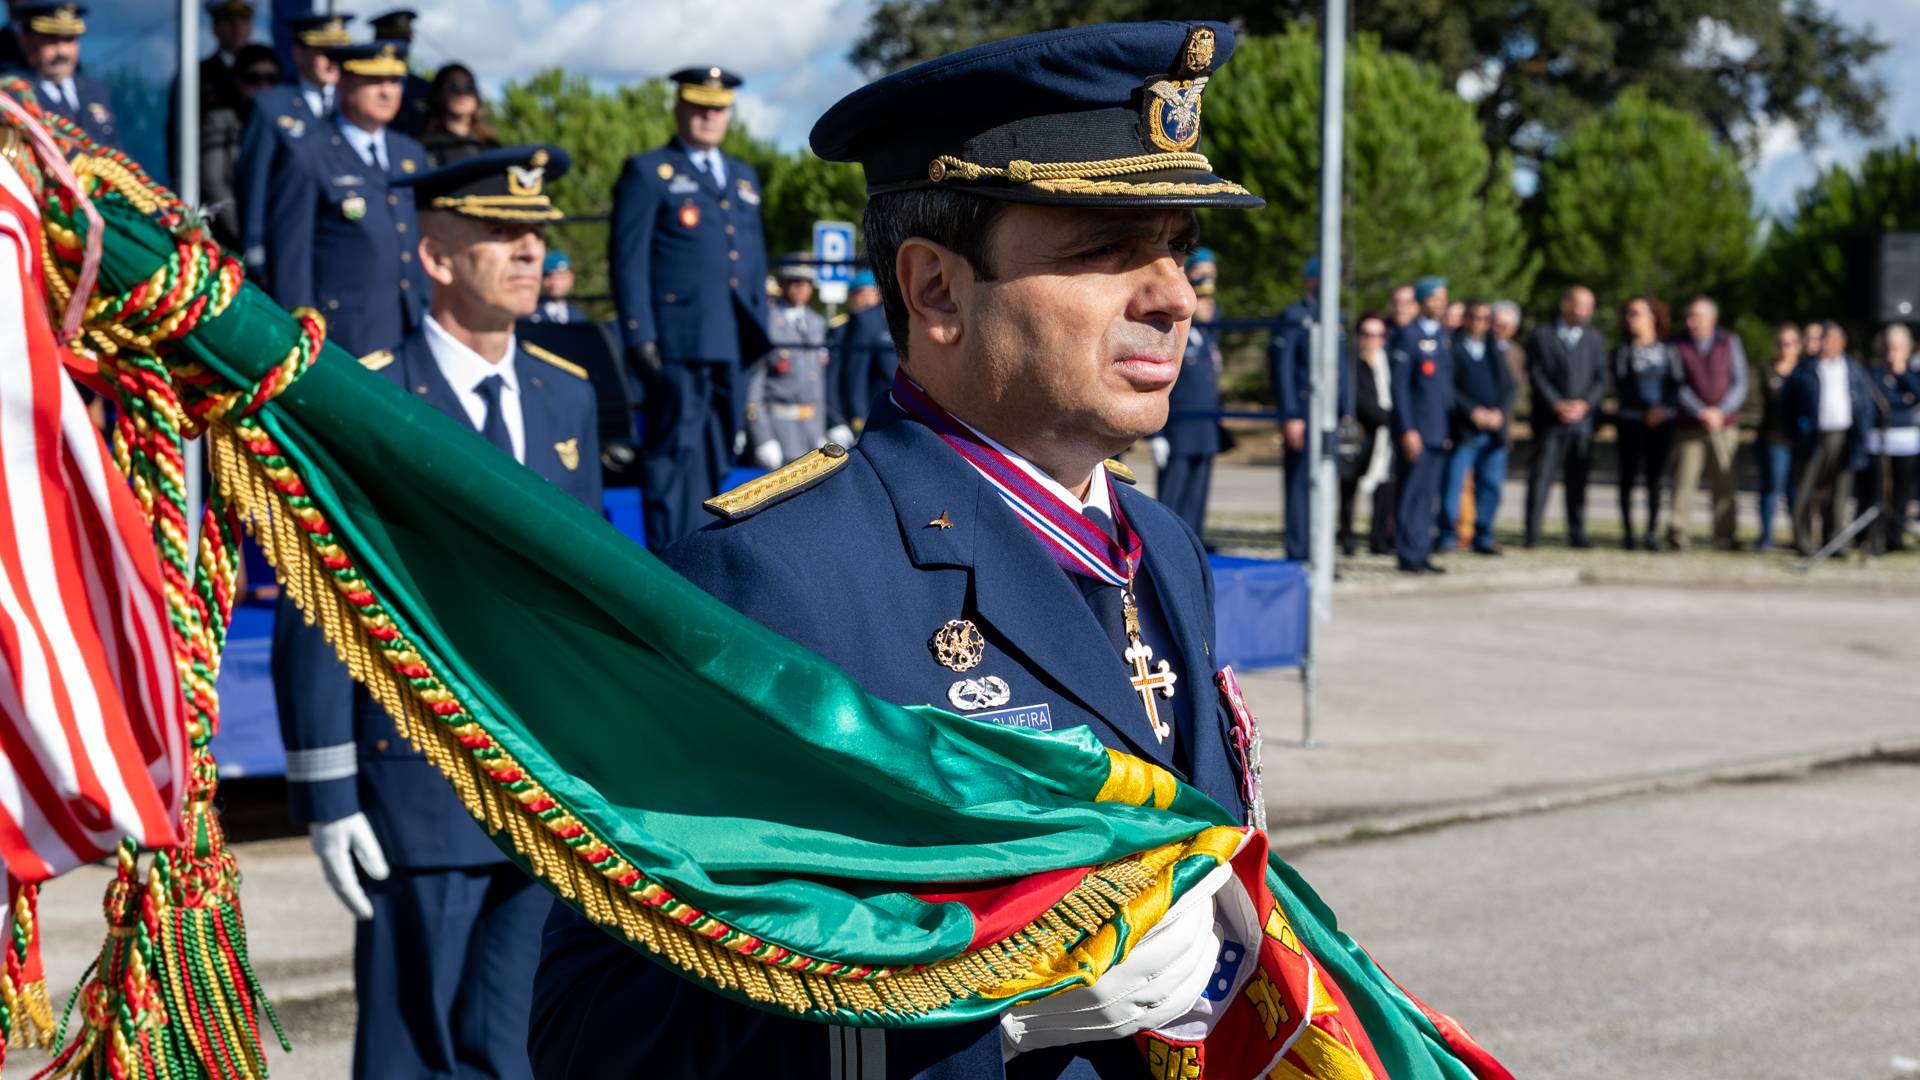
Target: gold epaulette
(560, 362)
(1120, 471)
(788, 480)
(838, 321)
(374, 361)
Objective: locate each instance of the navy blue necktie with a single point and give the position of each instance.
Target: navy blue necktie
(493, 426)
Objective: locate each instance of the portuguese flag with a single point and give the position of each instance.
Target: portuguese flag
(726, 800)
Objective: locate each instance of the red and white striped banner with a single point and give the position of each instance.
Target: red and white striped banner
(93, 741)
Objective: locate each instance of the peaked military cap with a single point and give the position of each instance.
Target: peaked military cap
(372, 59)
(1103, 115)
(395, 25)
(709, 86)
(321, 31)
(508, 184)
(796, 267)
(55, 17)
(217, 8)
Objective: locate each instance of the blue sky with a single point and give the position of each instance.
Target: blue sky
(793, 53)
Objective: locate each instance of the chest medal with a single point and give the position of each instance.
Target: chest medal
(353, 207)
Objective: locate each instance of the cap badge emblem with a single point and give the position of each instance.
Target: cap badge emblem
(1199, 55)
(524, 181)
(1173, 113)
(958, 645)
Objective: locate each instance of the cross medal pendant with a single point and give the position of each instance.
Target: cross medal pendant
(1145, 681)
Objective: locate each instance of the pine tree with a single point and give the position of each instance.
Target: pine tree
(1815, 262)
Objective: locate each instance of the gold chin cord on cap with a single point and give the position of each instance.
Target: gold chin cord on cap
(1088, 177)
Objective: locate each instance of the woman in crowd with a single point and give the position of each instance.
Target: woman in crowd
(1646, 384)
(457, 127)
(1896, 386)
(222, 121)
(1372, 408)
(1776, 436)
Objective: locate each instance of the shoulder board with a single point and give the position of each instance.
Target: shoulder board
(839, 320)
(1120, 471)
(756, 495)
(560, 362)
(374, 361)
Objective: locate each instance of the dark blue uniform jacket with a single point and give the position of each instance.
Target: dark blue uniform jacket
(854, 570)
(96, 116)
(1192, 428)
(419, 822)
(1290, 362)
(1422, 372)
(867, 361)
(280, 117)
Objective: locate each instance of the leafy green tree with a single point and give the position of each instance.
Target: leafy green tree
(1418, 195)
(602, 129)
(1542, 65)
(1813, 264)
(1641, 198)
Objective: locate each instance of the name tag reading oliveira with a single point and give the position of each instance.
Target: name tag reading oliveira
(1032, 717)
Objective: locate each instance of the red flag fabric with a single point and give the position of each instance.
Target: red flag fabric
(93, 739)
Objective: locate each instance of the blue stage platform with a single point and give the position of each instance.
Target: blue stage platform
(1260, 609)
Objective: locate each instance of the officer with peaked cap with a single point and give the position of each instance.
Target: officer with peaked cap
(1420, 360)
(283, 116)
(397, 25)
(448, 930)
(1031, 207)
(49, 36)
(340, 234)
(787, 406)
(1290, 363)
(689, 263)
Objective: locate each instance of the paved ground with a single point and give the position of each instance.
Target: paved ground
(1755, 932)
(1697, 929)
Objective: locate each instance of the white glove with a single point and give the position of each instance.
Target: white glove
(769, 456)
(1162, 450)
(840, 433)
(739, 443)
(1156, 984)
(339, 843)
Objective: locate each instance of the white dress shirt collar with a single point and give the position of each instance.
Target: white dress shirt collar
(365, 143)
(464, 369)
(1099, 495)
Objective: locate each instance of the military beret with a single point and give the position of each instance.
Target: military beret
(1105, 115)
(395, 25)
(711, 87)
(1200, 255)
(508, 184)
(1428, 285)
(321, 31)
(1311, 269)
(57, 18)
(555, 260)
(372, 59)
(863, 279)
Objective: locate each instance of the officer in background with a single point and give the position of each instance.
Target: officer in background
(1185, 448)
(49, 34)
(340, 234)
(220, 97)
(689, 266)
(1420, 356)
(787, 412)
(397, 25)
(865, 358)
(1290, 363)
(1010, 388)
(556, 284)
(448, 931)
(284, 116)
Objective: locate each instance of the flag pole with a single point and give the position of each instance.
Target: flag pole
(1324, 394)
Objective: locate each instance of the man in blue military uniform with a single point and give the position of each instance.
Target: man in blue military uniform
(864, 356)
(1184, 449)
(1041, 323)
(49, 35)
(1420, 356)
(397, 25)
(448, 932)
(282, 117)
(556, 285)
(689, 265)
(1290, 366)
(340, 233)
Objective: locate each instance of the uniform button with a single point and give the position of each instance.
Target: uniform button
(633, 324)
(334, 305)
(406, 256)
(729, 230)
(734, 282)
(380, 745)
(725, 205)
(734, 255)
(405, 284)
(400, 225)
(672, 298)
(393, 200)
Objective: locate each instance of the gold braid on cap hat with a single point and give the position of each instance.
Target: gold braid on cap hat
(1085, 177)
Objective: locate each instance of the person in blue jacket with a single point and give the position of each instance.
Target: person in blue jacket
(864, 354)
(1421, 358)
(1831, 410)
(1043, 323)
(448, 930)
(49, 37)
(1483, 394)
(340, 231)
(1290, 367)
(282, 117)
(689, 264)
(1184, 450)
